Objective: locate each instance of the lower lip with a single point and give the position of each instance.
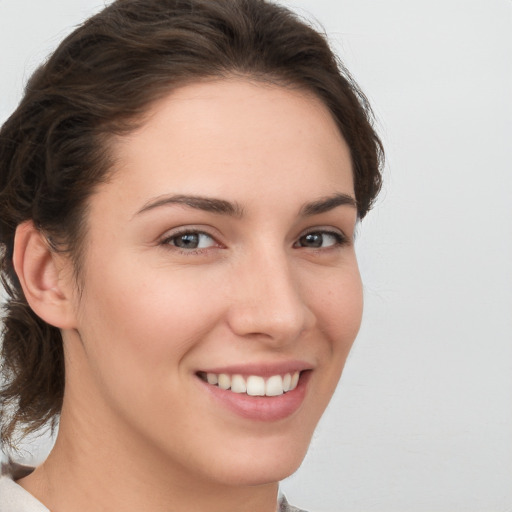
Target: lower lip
(261, 408)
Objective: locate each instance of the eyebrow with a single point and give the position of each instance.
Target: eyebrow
(208, 204)
(233, 209)
(328, 203)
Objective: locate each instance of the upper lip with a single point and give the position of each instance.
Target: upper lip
(261, 369)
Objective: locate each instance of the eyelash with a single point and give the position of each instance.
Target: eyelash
(168, 241)
(339, 240)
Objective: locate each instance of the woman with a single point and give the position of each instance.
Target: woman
(179, 191)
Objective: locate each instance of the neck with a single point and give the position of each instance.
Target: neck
(86, 477)
(101, 469)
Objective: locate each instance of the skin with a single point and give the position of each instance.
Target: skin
(138, 431)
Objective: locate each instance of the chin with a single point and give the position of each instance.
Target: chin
(263, 465)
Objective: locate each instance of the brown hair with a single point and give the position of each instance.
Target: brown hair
(99, 82)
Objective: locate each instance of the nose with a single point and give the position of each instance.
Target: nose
(268, 302)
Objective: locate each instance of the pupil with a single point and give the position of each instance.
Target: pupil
(190, 241)
(313, 240)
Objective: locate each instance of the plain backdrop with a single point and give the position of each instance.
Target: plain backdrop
(422, 419)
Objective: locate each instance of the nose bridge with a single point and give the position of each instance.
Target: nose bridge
(269, 301)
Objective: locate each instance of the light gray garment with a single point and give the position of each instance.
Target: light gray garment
(13, 498)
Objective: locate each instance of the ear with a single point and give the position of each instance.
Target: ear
(45, 276)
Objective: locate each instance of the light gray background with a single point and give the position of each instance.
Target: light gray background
(422, 420)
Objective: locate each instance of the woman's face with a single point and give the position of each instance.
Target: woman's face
(220, 250)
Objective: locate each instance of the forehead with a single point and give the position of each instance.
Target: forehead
(207, 137)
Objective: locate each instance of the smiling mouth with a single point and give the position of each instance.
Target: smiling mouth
(253, 385)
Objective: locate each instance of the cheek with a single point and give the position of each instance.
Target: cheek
(339, 308)
(135, 320)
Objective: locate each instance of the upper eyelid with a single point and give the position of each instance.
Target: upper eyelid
(187, 232)
(325, 229)
(174, 232)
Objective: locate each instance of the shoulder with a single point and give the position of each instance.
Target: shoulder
(13, 498)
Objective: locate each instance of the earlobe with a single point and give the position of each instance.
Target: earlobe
(43, 275)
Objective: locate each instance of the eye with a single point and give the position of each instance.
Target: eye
(190, 240)
(320, 239)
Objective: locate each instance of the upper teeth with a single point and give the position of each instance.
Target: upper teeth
(254, 385)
